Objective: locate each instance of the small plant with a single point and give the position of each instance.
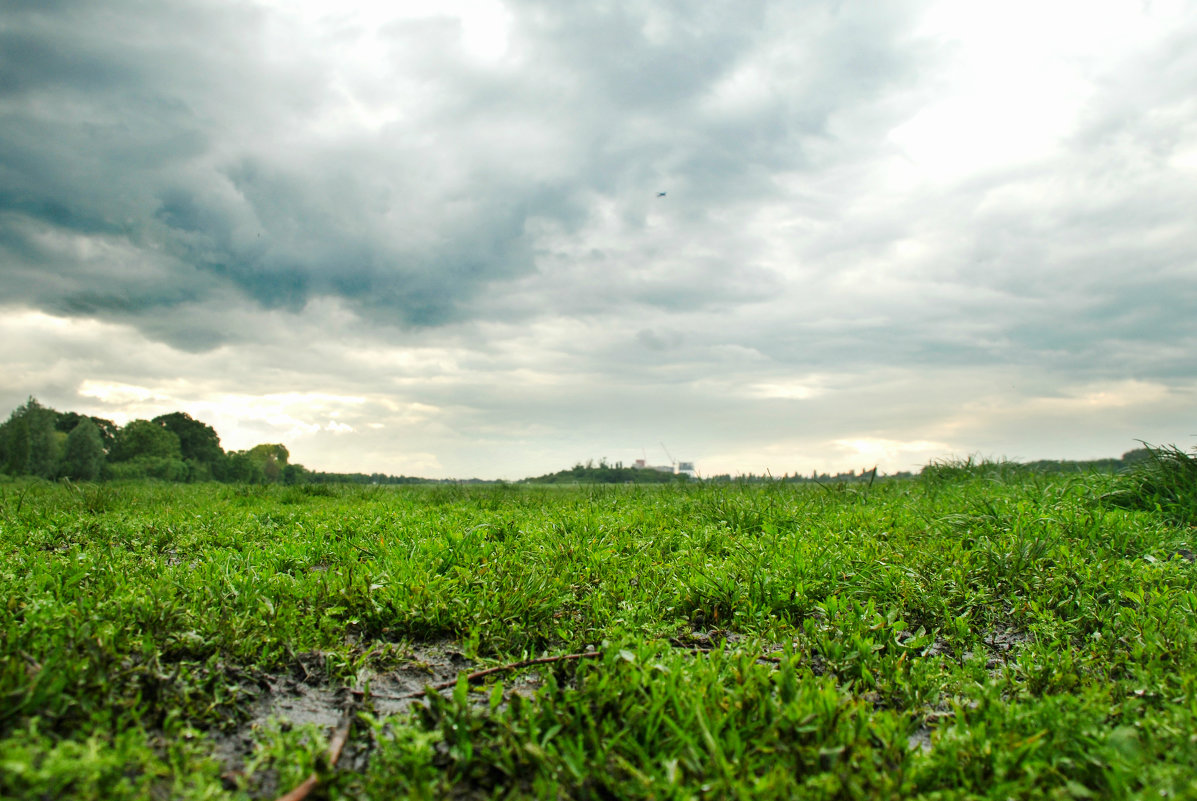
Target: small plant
(97, 498)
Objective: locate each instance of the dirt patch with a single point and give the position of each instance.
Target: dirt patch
(393, 692)
(920, 739)
(397, 677)
(999, 645)
(389, 692)
(303, 695)
(282, 699)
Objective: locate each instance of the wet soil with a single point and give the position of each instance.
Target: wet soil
(398, 678)
(303, 695)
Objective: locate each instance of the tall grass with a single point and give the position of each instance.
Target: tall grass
(1165, 482)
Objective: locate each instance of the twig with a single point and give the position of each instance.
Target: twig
(473, 678)
(476, 676)
(302, 790)
(335, 746)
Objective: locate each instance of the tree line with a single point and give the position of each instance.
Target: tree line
(604, 473)
(39, 441)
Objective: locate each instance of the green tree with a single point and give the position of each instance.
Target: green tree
(271, 459)
(144, 438)
(295, 474)
(241, 469)
(84, 453)
(199, 445)
(27, 442)
(68, 420)
(197, 441)
(144, 449)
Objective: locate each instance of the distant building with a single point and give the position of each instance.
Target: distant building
(680, 468)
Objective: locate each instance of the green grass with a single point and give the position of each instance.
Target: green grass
(1165, 482)
(982, 631)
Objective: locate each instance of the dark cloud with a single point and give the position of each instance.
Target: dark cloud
(651, 59)
(481, 233)
(179, 134)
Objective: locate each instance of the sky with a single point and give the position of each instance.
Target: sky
(429, 238)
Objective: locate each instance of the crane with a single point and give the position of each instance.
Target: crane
(672, 461)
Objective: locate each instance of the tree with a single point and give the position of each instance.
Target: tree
(271, 459)
(144, 449)
(27, 441)
(295, 474)
(144, 438)
(197, 441)
(241, 469)
(84, 453)
(68, 420)
(199, 445)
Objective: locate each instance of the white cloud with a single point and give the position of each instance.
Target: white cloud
(890, 451)
(1018, 77)
(120, 394)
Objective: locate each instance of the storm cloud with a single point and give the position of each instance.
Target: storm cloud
(907, 227)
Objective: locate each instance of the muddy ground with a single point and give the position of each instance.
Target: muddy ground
(305, 695)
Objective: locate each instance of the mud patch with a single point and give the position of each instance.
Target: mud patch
(282, 700)
(1000, 644)
(304, 695)
(394, 681)
(920, 738)
(394, 691)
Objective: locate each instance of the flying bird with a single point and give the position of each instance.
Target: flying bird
(660, 194)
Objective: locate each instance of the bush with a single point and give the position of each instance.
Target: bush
(159, 467)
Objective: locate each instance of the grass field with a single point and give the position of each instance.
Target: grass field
(981, 631)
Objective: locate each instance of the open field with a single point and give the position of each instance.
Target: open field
(980, 631)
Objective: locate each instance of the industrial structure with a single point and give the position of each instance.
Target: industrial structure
(677, 468)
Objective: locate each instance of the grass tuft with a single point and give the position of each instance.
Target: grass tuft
(1165, 482)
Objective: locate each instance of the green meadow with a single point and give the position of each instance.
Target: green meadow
(978, 631)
